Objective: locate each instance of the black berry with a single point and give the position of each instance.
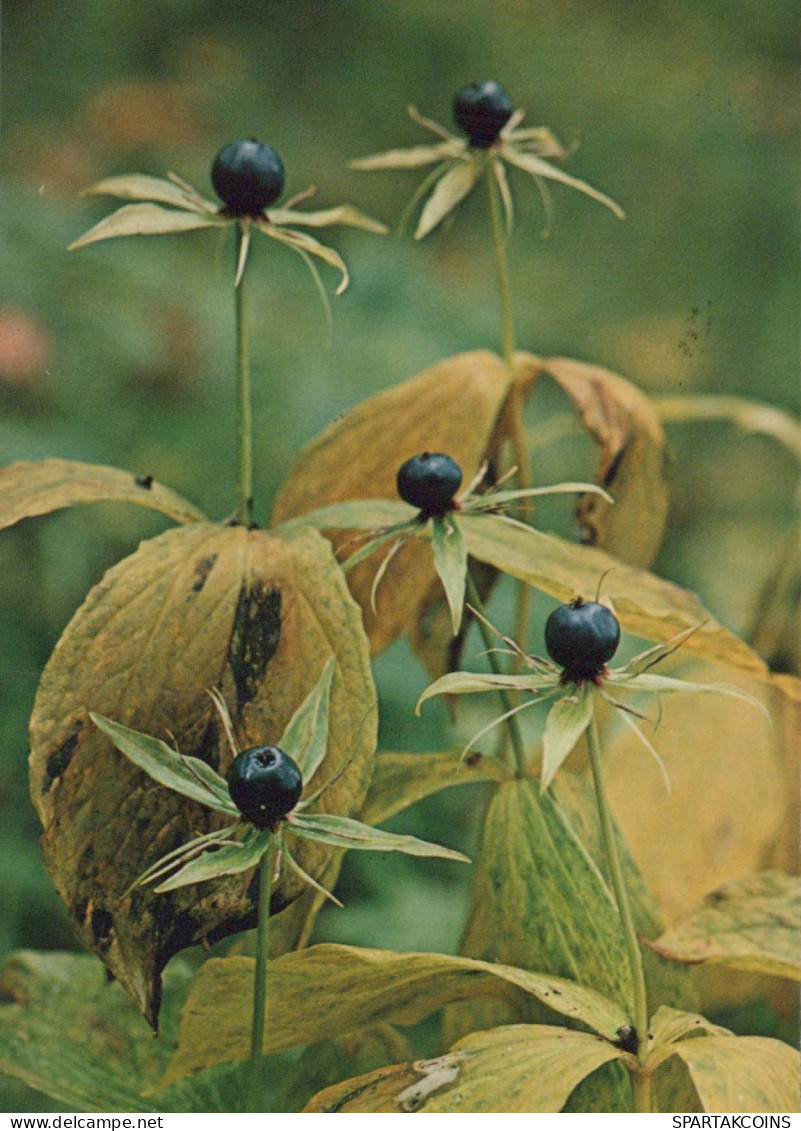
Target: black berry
(481, 110)
(429, 481)
(582, 637)
(265, 784)
(247, 177)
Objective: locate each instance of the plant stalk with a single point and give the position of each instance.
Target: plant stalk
(244, 510)
(512, 724)
(260, 977)
(516, 397)
(621, 898)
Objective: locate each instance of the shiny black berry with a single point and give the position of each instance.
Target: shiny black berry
(265, 784)
(429, 481)
(247, 176)
(481, 110)
(582, 637)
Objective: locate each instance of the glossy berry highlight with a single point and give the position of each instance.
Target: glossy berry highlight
(582, 637)
(481, 110)
(247, 176)
(265, 784)
(430, 482)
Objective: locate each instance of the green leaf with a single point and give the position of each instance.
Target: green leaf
(537, 167)
(137, 186)
(255, 615)
(752, 923)
(344, 214)
(450, 562)
(742, 1074)
(415, 157)
(306, 735)
(344, 832)
(566, 722)
(358, 514)
(450, 190)
(147, 220)
(401, 779)
(299, 241)
(29, 489)
(186, 775)
(644, 604)
(330, 989)
(228, 860)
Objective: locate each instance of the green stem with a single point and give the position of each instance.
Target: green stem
(641, 1084)
(260, 977)
(244, 511)
(619, 888)
(512, 724)
(501, 268)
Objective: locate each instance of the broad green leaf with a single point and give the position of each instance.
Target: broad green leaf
(520, 1068)
(514, 1068)
(358, 514)
(147, 220)
(414, 157)
(69, 1032)
(358, 456)
(256, 616)
(644, 604)
(330, 989)
(635, 461)
(29, 489)
(138, 186)
(565, 920)
(306, 735)
(188, 776)
(228, 860)
(401, 779)
(566, 722)
(343, 214)
(670, 1025)
(752, 923)
(450, 562)
(742, 1074)
(299, 241)
(450, 190)
(537, 167)
(344, 832)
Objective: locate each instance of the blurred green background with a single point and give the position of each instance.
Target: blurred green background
(123, 353)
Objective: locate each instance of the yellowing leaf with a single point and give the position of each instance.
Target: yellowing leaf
(137, 186)
(450, 190)
(307, 245)
(752, 924)
(147, 220)
(372, 1093)
(634, 461)
(358, 457)
(330, 989)
(742, 1074)
(343, 214)
(534, 165)
(29, 489)
(645, 605)
(750, 416)
(255, 615)
(412, 158)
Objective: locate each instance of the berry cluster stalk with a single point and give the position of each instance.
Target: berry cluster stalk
(642, 1083)
(260, 980)
(244, 510)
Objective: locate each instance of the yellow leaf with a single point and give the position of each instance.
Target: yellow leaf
(450, 190)
(742, 1074)
(358, 457)
(255, 615)
(29, 489)
(147, 220)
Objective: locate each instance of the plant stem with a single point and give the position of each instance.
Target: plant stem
(621, 896)
(516, 396)
(512, 724)
(260, 977)
(641, 1083)
(244, 511)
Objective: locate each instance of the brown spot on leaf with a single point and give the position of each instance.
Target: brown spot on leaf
(59, 760)
(254, 640)
(145, 481)
(102, 927)
(202, 570)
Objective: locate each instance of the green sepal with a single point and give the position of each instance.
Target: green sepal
(566, 722)
(450, 562)
(305, 737)
(228, 860)
(344, 832)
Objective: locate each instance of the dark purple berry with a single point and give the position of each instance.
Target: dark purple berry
(265, 784)
(247, 176)
(429, 481)
(582, 637)
(481, 110)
